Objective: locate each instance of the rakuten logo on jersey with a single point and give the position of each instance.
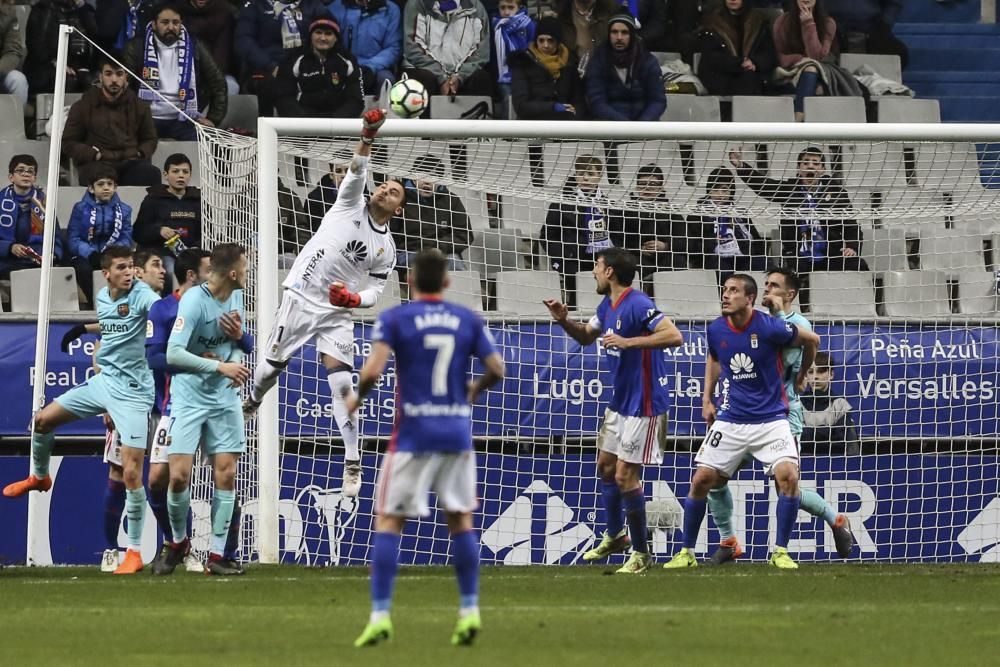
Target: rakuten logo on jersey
(742, 367)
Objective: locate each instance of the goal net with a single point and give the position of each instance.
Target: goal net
(895, 241)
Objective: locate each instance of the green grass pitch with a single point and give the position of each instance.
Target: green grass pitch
(744, 614)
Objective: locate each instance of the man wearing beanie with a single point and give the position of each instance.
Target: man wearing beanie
(545, 84)
(623, 79)
(321, 79)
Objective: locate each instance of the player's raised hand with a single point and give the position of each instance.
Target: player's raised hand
(373, 119)
(557, 309)
(238, 373)
(342, 297)
(232, 325)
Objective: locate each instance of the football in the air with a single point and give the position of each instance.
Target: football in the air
(408, 98)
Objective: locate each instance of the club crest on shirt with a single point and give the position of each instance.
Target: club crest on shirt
(381, 251)
(753, 341)
(335, 78)
(123, 310)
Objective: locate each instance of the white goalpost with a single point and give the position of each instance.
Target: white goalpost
(908, 318)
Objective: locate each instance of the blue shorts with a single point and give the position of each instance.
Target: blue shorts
(128, 406)
(217, 429)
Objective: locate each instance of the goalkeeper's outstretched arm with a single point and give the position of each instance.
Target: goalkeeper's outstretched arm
(372, 120)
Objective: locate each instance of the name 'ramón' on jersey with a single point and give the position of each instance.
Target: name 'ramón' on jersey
(433, 341)
(348, 247)
(638, 376)
(752, 378)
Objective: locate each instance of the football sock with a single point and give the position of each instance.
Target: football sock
(114, 505)
(158, 503)
(41, 451)
(814, 503)
(612, 498)
(265, 376)
(694, 514)
(135, 509)
(720, 503)
(788, 508)
(177, 507)
(341, 385)
(222, 513)
(385, 557)
(465, 551)
(635, 514)
(232, 551)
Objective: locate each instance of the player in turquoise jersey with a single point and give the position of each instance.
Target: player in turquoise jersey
(205, 403)
(780, 290)
(123, 389)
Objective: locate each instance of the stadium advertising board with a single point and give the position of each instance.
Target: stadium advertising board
(908, 380)
(539, 510)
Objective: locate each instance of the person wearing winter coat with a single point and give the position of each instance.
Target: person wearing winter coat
(99, 220)
(24, 220)
(446, 46)
(12, 80)
(172, 62)
(737, 53)
(623, 79)
(545, 84)
(42, 39)
(322, 79)
(434, 217)
(372, 31)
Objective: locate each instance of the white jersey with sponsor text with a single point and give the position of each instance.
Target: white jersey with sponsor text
(348, 247)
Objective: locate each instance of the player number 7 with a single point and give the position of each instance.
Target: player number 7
(444, 345)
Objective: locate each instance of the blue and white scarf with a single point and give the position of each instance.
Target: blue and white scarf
(595, 221)
(11, 201)
(510, 35)
(811, 232)
(116, 229)
(289, 14)
(186, 93)
(129, 24)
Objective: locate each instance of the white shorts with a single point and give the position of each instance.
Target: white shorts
(159, 428)
(406, 478)
(633, 439)
(298, 322)
(726, 444)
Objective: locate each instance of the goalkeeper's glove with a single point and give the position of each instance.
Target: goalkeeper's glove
(373, 119)
(343, 297)
(75, 332)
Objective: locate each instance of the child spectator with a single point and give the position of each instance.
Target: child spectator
(829, 426)
(22, 221)
(513, 32)
(99, 220)
(169, 218)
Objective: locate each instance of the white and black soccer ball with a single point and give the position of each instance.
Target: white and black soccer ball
(408, 98)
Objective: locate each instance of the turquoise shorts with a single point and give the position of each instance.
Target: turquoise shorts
(217, 429)
(129, 406)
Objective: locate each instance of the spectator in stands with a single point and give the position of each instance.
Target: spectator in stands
(23, 221)
(99, 220)
(722, 238)
(322, 79)
(42, 38)
(446, 46)
(649, 231)
(324, 195)
(110, 125)
(737, 53)
(266, 33)
(12, 80)
(513, 33)
(578, 227)
(545, 83)
(623, 79)
(804, 31)
(169, 218)
(372, 31)
(829, 426)
(865, 26)
(169, 60)
(212, 22)
(119, 21)
(585, 26)
(816, 235)
(434, 217)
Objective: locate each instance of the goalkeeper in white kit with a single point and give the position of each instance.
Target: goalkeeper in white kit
(344, 265)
